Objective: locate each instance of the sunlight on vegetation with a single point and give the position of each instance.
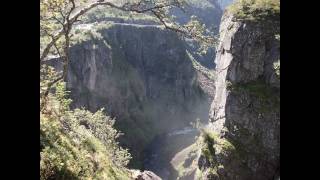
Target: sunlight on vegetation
(78, 144)
(255, 9)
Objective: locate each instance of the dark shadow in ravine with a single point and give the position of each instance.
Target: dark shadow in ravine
(163, 148)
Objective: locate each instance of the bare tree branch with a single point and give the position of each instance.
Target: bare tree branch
(58, 51)
(69, 19)
(44, 96)
(74, 18)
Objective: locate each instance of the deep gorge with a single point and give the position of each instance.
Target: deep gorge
(143, 76)
(157, 87)
(150, 88)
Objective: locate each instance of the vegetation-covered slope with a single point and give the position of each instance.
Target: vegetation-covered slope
(78, 144)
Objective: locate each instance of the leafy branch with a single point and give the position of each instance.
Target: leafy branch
(58, 17)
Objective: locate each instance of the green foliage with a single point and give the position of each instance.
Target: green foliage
(61, 93)
(197, 31)
(78, 144)
(47, 75)
(102, 14)
(60, 157)
(213, 138)
(52, 18)
(217, 151)
(198, 174)
(221, 154)
(253, 10)
(86, 35)
(101, 127)
(90, 33)
(212, 172)
(209, 139)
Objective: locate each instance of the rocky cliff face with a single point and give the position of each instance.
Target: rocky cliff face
(245, 113)
(142, 75)
(207, 12)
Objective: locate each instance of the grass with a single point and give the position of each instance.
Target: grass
(68, 150)
(213, 144)
(211, 137)
(62, 157)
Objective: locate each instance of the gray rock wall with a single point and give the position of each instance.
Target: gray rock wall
(246, 110)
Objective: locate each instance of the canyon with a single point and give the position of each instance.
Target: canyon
(184, 116)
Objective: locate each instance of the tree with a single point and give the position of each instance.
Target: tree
(78, 144)
(57, 18)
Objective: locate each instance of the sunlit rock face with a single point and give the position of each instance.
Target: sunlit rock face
(246, 110)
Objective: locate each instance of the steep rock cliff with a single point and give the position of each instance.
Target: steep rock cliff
(244, 138)
(207, 12)
(142, 76)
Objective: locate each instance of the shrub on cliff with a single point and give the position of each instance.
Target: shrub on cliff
(78, 144)
(255, 9)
